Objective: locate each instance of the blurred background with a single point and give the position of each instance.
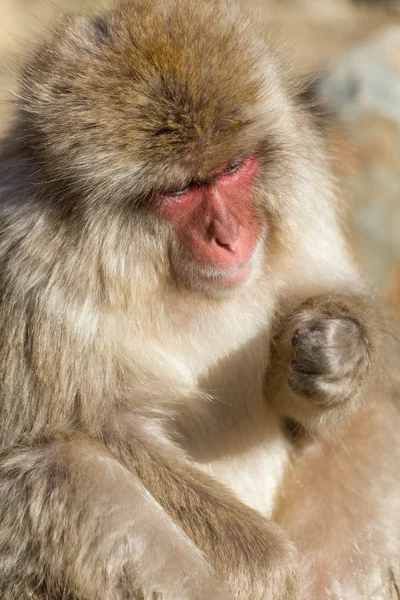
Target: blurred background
(349, 53)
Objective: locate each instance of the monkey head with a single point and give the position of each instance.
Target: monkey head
(138, 114)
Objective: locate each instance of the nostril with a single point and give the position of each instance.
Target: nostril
(225, 233)
(228, 246)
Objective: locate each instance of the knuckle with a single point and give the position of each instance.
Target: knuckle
(326, 345)
(301, 382)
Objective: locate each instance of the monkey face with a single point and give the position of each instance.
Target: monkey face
(216, 224)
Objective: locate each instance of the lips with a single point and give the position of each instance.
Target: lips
(228, 277)
(240, 275)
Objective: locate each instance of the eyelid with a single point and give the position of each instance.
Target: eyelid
(180, 192)
(191, 185)
(233, 167)
(229, 170)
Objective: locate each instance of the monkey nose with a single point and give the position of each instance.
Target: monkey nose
(225, 232)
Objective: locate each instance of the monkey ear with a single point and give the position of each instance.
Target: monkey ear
(102, 28)
(93, 31)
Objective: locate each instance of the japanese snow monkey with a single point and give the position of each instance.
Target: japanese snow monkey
(199, 395)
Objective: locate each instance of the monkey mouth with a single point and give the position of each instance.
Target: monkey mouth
(230, 277)
(239, 274)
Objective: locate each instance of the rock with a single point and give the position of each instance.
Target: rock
(367, 79)
(363, 89)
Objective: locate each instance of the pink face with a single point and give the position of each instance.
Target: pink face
(216, 222)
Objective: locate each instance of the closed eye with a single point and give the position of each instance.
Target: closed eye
(233, 167)
(184, 190)
(180, 192)
(229, 170)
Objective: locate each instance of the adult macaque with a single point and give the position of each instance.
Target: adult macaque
(166, 214)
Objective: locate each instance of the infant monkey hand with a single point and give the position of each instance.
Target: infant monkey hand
(329, 358)
(322, 358)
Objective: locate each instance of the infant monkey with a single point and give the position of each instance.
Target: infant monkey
(175, 288)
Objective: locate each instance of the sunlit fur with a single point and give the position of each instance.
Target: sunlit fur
(143, 422)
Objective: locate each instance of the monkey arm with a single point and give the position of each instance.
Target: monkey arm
(252, 554)
(344, 480)
(72, 512)
(346, 484)
(325, 358)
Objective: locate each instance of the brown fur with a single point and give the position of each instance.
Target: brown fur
(123, 381)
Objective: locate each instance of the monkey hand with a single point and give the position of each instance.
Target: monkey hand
(324, 352)
(328, 355)
(257, 564)
(254, 556)
(273, 571)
